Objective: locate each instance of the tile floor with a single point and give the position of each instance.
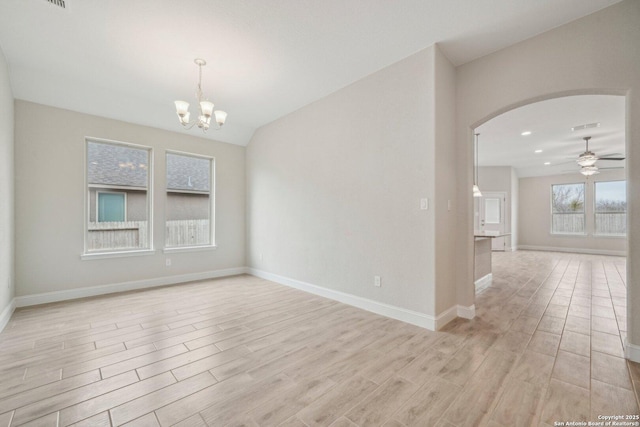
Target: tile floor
(545, 347)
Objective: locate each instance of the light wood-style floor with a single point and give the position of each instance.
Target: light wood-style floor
(545, 347)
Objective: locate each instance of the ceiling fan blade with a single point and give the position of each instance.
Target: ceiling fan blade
(565, 163)
(611, 158)
(614, 167)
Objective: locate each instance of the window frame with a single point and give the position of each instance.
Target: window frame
(211, 205)
(595, 211)
(126, 252)
(584, 211)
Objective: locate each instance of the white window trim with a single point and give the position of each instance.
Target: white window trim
(595, 212)
(201, 248)
(115, 253)
(584, 212)
(212, 205)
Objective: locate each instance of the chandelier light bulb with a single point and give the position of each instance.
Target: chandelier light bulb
(207, 108)
(221, 117)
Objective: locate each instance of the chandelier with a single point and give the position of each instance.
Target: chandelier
(205, 107)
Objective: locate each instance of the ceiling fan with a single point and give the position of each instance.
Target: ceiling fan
(588, 159)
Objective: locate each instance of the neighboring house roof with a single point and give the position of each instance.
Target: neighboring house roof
(111, 164)
(118, 165)
(188, 173)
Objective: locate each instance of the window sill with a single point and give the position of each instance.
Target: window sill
(569, 234)
(189, 249)
(610, 236)
(121, 254)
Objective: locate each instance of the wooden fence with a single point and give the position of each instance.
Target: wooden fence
(133, 234)
(117, 235)
(611, 223)
(193, 232)
(614, 224)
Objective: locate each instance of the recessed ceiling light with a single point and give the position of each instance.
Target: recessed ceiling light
(526, 133)
(538, 151)
(547, 163)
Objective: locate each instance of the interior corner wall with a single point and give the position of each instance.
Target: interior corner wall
(334, 190)
(50, 210)
(535, 216)
(7, 219)
(446, 178)
(570, 59)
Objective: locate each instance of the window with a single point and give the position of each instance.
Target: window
(189, 201)
(111, 207)
(611, 208)
(118, 197)
(567, 209)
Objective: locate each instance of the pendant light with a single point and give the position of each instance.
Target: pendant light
(205, 107)
(476, 189)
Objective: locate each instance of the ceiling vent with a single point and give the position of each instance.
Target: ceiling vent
(587, 126)
(59, 3)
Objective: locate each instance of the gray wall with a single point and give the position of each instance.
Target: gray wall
(50, 211)
(571, 59)
(335, 187)
(535, 217)
(7, 236)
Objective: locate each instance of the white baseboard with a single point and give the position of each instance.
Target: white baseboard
(631, 351)
(44, 298)
(484, 280)
(405, 315)
(572, 250)
(5, 316)
(467, 312)
(453, 312)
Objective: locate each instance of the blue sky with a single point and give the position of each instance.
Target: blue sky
(611, 190)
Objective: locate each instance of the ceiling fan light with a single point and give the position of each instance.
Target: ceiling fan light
(587, 159)
(184, 119)
(589, 170)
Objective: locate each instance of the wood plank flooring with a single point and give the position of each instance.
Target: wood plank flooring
(545, 347)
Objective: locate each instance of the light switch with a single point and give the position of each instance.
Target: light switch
(424, 204)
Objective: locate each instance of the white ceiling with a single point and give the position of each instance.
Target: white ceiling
(129, 60)
(501, 142)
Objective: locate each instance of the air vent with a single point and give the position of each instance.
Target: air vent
(59, 3)
(587, 126)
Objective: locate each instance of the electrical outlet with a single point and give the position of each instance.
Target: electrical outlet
(168, 262)
(424, 204)
(377, 282)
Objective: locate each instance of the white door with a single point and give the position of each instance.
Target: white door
(492, 217)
